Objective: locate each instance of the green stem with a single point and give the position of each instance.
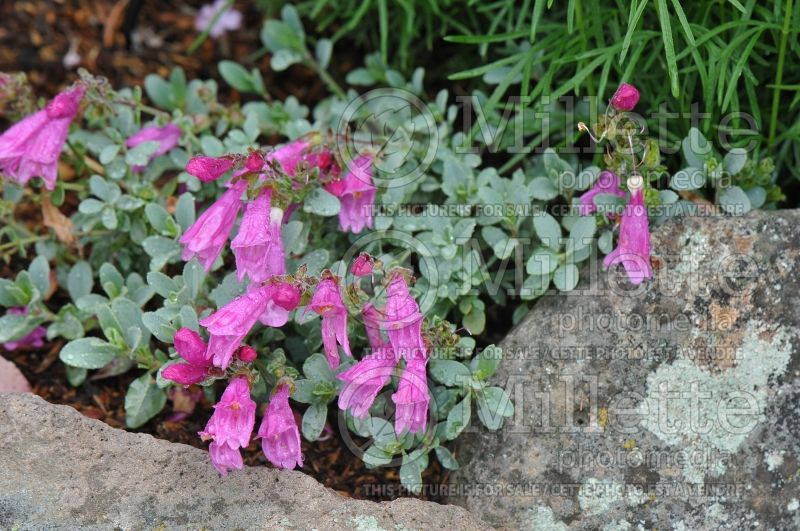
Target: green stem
(326, 77)
(23, 241)
(776, 92)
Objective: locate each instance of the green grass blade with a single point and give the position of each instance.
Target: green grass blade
(538, 9)
(633, 21)
(669, 46)
(687, 30)
(480, 39)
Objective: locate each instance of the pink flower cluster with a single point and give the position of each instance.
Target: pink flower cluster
(401, 320)
(270, 298)
(231, 426)
(257, 246)
(395, 337)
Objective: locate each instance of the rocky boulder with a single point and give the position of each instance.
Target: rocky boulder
(672, 406)
(60, 470)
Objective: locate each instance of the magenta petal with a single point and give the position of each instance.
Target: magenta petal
(327, 302)
(166, 136)
(372, 324)
(35, 339)
(207, 236)
(185, 373)
(411, 398)
(280, 438)
(356, 195)
(234, 415)
(274, 315)
(289, 155)
(208, 169)
(229, 325)
(606, 183)
(225, 458)
(364, 380)
(403, 320)
(31, 147)
(633, 247)
(191, 347)
(258, 246)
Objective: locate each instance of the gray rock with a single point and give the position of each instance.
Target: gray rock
(60, 470)
(674, 406)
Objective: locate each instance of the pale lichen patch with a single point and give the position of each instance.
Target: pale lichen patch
(691, 407)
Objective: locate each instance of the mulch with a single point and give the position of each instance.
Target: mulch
(125, 40)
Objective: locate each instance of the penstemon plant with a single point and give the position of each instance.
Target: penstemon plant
(243, 244)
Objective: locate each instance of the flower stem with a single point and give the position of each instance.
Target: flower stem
(776, 91)
(326, 77)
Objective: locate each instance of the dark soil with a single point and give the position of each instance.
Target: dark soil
(114, 41)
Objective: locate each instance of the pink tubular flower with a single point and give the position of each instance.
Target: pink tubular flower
(403, 320)
(411, 398)
(34, 339)
(606, 183)
(362, 266)
(231, 426)
(208, 169)
(282, 299)
(625, 98)
(191, 347)
(372, 323)
(633, 247)
(356, 194)
(31, 147)
(167, 138)
(364, 380)
(258, 246)
(208, 235)
(280, 438)
(229, 325)
(328, 303)
(229, 20)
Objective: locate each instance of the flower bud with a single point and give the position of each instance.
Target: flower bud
(286, 296)
(254, 161)
(362, 266)
(625, 98)
(247, 354)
